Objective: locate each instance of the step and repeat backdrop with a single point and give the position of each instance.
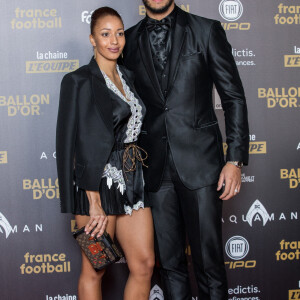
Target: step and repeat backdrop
(43, 40)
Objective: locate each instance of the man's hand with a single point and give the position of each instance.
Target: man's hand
(230, 178)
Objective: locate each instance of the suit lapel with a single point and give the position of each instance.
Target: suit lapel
(177, 45)
(129, 81)
(100, 95)
(128, 76)
(147, 59)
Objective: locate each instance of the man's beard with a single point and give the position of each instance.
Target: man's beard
(158, 10)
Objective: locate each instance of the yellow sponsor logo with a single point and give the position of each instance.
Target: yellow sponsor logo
(280, 97)
(246, 264)
(288, 251)
(3, 157)
(142, 9)
(254, 147)
(287, 14)
(294, 294)
(51, 66)
(25, 105)
(293, 176)
(36, 19)
(42, 187)
(258, 147)
(45, 263)
(73, 226)
(236, 26)
(292, 61)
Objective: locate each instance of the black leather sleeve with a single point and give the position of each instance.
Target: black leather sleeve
(225, 75)
(65, 141)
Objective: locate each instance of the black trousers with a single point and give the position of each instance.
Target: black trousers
(176, 211)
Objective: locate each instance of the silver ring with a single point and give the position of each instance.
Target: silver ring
(236, 190)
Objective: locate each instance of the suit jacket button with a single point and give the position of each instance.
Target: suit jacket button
(166, 108)
(164, 138)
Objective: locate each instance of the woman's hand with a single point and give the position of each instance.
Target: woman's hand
(98, 219)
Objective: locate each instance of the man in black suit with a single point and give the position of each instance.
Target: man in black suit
(176, 57)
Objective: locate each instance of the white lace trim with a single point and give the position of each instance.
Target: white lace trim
(135, 121)
(128, 209)
(114, 175)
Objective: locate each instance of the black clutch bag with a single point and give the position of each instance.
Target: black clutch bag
(101, 251)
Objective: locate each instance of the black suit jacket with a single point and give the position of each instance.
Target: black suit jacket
(185, 118)
(84, 133)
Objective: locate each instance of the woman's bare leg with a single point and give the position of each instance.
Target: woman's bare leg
(135, 235)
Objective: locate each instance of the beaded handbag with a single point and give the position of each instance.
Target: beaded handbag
(101, 251)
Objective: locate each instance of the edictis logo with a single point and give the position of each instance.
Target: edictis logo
(47, 18)
(24, 105)
(3, 157)
(244, 57)
(237, 247)
(156, 293)
(244, 292)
